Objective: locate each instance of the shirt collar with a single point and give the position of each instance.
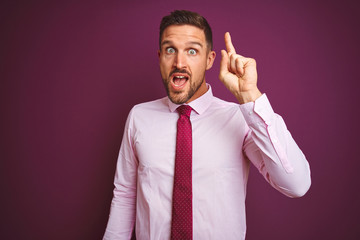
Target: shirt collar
(199, 105)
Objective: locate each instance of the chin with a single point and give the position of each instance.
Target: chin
(177, 100)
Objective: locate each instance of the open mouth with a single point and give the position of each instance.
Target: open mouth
(179, 80)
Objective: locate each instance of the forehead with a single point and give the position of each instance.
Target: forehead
(183, 34)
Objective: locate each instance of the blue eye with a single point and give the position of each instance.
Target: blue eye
(170, 50)
(192, 51)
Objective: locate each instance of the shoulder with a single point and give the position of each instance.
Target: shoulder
(155, 105)
(221, 102)
(149, 114)
(149, 109)
(221, 105)
(227, 115)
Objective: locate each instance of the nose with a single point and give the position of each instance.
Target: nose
(180, 60)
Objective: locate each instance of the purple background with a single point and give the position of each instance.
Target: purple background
(70, 73)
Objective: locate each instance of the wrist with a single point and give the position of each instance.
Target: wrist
(249, 96)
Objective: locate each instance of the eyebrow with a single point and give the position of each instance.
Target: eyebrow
(190, 43)
(196, 43)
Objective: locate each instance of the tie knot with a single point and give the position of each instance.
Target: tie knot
(184, 110)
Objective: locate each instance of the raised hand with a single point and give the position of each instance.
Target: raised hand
(238, 73)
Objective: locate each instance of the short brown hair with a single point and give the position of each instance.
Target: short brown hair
(184, 17)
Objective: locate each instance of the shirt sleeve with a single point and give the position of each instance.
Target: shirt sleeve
(122, 212)
(271, 148)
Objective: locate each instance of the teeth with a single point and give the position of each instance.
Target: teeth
(180, 76)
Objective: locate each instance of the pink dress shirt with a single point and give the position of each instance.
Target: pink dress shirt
(226, 138)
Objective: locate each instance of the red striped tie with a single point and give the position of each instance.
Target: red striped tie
(181, 225)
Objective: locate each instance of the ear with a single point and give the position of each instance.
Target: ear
(159, 54)
(210, 59)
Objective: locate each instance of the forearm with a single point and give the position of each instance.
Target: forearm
(273, 151)
(122, 217)
(122, 212)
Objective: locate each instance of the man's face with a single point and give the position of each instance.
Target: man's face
(184, 58)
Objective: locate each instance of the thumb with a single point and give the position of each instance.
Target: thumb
(224, 63)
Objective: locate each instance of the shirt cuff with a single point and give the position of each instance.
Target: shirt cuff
(258, 111)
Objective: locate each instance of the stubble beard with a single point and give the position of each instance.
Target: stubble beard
(180, 97)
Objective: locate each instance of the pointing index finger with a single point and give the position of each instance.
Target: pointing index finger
(229, 46)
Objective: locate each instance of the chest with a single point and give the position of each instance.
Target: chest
(217, 142)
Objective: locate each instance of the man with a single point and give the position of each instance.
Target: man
(212, 159)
